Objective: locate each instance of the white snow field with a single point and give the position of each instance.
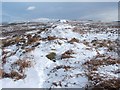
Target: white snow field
(65, 54)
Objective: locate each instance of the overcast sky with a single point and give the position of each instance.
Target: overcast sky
(59, 0)
(17, 11)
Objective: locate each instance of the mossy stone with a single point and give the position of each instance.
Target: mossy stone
(51, 56)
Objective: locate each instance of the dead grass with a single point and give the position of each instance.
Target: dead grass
(111, 45)
(109, 84)
(66, 68)
(97, 80)
(73, 40)
(11, 41)
(19, 67)
(6, 55)
(86, 43)
(103, 84)
(29, 49)
(23, 64)
(13, 75)
(7, 42)
(17, 39)
(79, 30)
(32, 39)
(67, 54)
(18, 70)
(94, 64)
(50, 38)
(1, 73)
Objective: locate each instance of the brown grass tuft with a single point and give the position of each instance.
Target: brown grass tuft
(1, 73)
(94, 64)
(18, 70)
(67, 54)
(101, 81)
(13, 75)
(73, 40)
(51, 38)
(23, 64)
(109, 84)
(79, 30)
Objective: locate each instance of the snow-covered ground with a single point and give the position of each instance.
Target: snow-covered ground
(66, 70)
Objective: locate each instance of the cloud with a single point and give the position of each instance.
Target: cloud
(31, 8)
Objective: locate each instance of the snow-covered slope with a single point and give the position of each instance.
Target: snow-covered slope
(59, 57)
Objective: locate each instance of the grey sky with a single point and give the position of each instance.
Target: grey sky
(15, 11)
(60, 0)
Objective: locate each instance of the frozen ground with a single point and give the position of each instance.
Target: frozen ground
(64, 54)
